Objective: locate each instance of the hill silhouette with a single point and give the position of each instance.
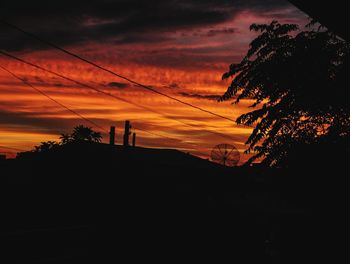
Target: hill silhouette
(92, 202)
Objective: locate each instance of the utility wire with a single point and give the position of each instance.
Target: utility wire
(52, 99)
(72, 111)
(78, 82)
(159, 135)
(112, 72)
(112, 95)
(154, 134)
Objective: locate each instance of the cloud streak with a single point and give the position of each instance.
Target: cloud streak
(121, 21)
(212, 97)
(118, 85)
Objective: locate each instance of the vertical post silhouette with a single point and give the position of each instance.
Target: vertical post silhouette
(112, 136)
(126, 133)
(134, 139)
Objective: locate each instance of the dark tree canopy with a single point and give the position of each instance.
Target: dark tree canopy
(81, 134)
(46, 147)
(298, 81)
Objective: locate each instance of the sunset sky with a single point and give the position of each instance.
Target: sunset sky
(180, 48)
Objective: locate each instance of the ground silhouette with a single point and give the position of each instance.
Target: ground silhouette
(91, 202)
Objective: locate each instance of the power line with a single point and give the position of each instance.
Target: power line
(154, 134)
(159, 135)
(111, 95)
(112, 72)
(74, 112)
(77, 82)
(52, 99)
(187, 124)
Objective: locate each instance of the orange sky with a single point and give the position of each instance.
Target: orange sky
(188, 65)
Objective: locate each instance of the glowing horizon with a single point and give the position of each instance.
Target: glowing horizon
(187, 64)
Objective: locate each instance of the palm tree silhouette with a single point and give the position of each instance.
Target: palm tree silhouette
(46, 146)
(65, 139)
(82, 133)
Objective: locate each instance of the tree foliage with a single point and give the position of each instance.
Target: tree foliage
(81, 134)
(298, 82)
(46, 146)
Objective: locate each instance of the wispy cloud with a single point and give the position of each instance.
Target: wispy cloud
(214, 97)
(118, 85)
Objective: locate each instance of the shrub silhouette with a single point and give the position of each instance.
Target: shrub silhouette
(81, 134)
(46, 146)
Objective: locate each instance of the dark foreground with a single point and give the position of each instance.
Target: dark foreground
(96, 204)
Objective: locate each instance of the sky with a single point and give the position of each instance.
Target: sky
(180, 48)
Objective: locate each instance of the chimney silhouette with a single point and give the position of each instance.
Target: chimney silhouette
(126, 133)
(134, 139)
(112, 136)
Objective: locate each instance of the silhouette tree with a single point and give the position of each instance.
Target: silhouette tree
(83, 134)
(80, 134)
(65, 139)
(46, 147)
(298, 81)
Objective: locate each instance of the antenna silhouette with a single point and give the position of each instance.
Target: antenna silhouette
(225, 154)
